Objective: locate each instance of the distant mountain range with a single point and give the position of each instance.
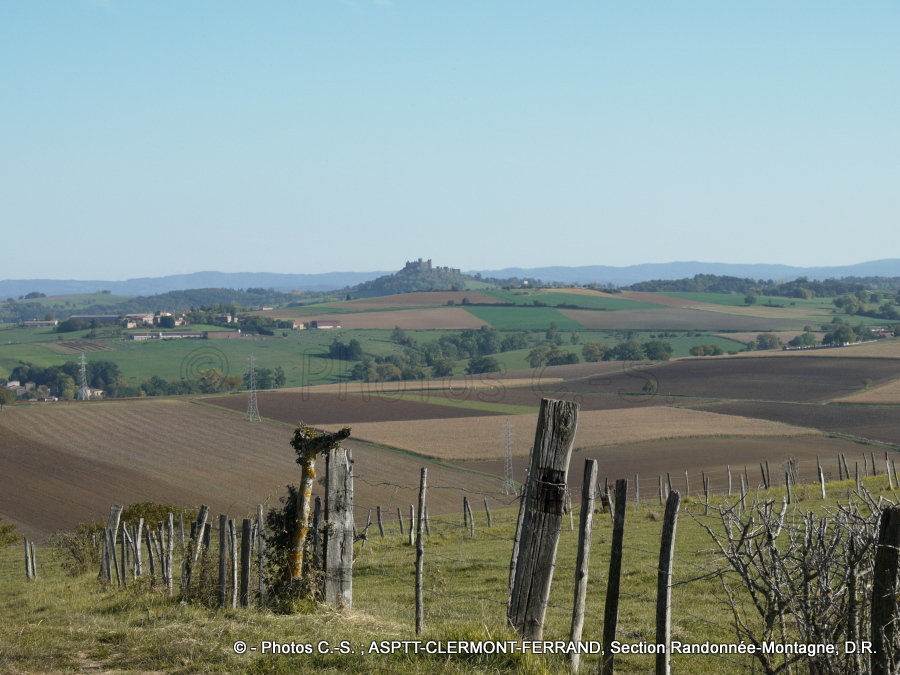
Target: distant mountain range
(621, 276)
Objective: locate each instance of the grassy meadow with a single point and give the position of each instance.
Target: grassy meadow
(61, 623)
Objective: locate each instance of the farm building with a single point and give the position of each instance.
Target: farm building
(299, 325)
(326, 323)
(223, 334)
(174, 335)
(38, 323)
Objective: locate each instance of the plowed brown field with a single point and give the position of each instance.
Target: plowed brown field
(67, 463)
(424, 299)
(872, 422)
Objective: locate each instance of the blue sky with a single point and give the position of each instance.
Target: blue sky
(153, 138)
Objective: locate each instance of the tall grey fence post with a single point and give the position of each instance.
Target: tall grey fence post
(223, 559)
(420, 555)
(585, 530)
(148, 537)
(611, 612)
(664, 585)
(554, 436)
(637, 493)
(887, 467)
(138, 563)
(317, 533)
(822, 482)
(232, 545)
(261, 554)
(412, 525)
(729, 480)
(487, 510)
(884, 600)
(170, 549)
(339, 529)
(380, 523)
(246, 528)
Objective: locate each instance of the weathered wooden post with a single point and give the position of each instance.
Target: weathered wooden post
(427, 524)
(664, 585)
(660, 489)
(317, 533)
(196, 543)
(170, 549)
(858, 486)
(517, 539)
(148, 537)
(308, 443)
(585, 530)
(884, 600)
(246, 527)
(687, 485)
(111, 543)
(420, 555)
(887, 467)
(487, 510)
(840, 468)
(471, 519)
(261, 554)
(124, 562)
(822, 482)
(554, 436)
(400, 520)
(765, 480)
(412, 525)
(223, 560)
(380, 523)
(138, 563)
(611, 612)
(365, 537)
(637, 493)
(28, 568)
(339, 532)
(787, 483)
(232, 545)
(729, 480)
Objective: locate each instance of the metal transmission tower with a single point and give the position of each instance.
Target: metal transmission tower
(83, 392)
(509, 487)
(252, 407)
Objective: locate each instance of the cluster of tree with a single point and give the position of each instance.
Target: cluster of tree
(628, 350)
(351, 351)
(801, 287)
(543, 355)
(267, 378)
(706, 350)
(64, 380)
(210, 381)
(410, 280)
(805, 340)
(265, 325)
(764, 341)
(866, 303)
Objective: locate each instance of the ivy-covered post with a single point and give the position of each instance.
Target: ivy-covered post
(308, 443)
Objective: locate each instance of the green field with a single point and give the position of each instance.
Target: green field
(522, 318)
(737, 300)
(581, 301)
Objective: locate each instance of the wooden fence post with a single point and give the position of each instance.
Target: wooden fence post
(223, 559)
(170, 548)
(487, 510)
(420, 555)
(840, 468)
(884, 601)
(246, 527)
(585, 530)
(611, 612)
(148, 536)
(124, 562)
(380, 523)
(317, 533)
(400, 519)
(865, 465)
(660, 489)
(427, 524)
(196, 543)
(28, 569)
(412, 525)
(763, 471)
(232, 545)
(111, 539)
(339, 532)
(787, 483)
(687, 485)
(822, 482)
(469, 516)
(261, 554)
(554, 436)
(664, 585)
(729, 480)
(887, 467)
(858, 486)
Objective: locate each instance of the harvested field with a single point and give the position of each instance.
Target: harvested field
(674, 319)
(785, 335)
(468, 438)
(653, 459)
(888, 393)
(423, 299)
(440, 318)
(68, 463)
(79, 346)
(872, 422)
(802, 312)
(667, 300)
(329, 409)
(771, 379)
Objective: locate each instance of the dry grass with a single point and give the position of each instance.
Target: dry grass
(888, 393)
(763, 312)
(457, 383)
(423, 299)
(439, 318)
(469, 438)
(676, 318)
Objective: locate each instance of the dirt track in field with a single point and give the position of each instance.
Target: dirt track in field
(67, 463)
(710, 455)
(675, 319)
